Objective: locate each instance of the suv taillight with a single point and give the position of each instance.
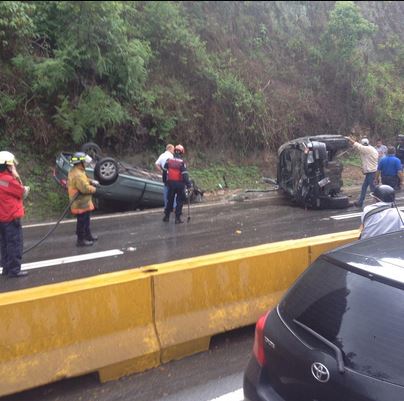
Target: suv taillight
(258, 348)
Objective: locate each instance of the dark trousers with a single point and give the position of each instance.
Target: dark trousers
(175, 188)
(83, 226)
(11, 241)
(391, 180)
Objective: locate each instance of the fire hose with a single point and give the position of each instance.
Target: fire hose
(65, 211)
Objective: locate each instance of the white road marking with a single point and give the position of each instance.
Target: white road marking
(108, 216)
(237, 395)
(210, 390)
(352, 215)
(118, 215)
(70, 259)
(345, 216)
(138, 213)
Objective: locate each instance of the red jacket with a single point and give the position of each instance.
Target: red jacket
(11, 193)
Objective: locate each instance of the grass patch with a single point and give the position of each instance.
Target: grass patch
(348, 182)
(351, 159)
(46, 200)
(227, 176)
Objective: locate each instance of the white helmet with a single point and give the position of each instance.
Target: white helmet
(7, 158)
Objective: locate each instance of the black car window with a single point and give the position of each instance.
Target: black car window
(363, 317)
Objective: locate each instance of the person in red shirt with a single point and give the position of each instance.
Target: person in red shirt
(11, 211)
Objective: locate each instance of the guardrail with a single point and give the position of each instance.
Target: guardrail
(130, 321)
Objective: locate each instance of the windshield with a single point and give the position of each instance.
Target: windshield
(362, 317)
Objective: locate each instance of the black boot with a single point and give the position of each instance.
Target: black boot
(21, 273)
(166, 218)
(84, 242)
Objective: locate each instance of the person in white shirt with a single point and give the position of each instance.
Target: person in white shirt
(160, 163)
(383, 216)
(369, 158)
(381, 149)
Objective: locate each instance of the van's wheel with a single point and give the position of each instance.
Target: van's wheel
(106, 171)
(334, 202)
(92, 149)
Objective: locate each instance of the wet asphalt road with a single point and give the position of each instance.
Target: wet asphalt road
(143, 238)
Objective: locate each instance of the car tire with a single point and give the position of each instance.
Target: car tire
(197, 198)
(106, 171)
(334, 202)
(92, 149)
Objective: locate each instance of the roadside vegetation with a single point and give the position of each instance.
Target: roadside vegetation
(352, 173)
(46, 200)
(227, 176)
(351, 159)
(227, 78)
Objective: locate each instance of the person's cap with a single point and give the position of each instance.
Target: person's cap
(7, 158)
(365, 141)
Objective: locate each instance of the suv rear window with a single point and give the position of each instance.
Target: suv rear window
(363, 317)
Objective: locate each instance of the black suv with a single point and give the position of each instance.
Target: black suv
(338, 333)
(309, 173)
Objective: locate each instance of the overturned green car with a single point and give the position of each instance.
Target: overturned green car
(122, 185)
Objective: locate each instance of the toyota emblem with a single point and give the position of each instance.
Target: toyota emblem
(320, 372)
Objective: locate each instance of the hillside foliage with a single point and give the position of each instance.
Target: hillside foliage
(212, 75)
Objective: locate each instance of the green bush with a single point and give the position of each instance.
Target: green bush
(7, 104)
(95, 110)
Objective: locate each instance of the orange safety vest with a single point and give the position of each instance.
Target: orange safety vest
(174, 170)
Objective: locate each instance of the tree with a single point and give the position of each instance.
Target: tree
(16, 27)
(345, 30)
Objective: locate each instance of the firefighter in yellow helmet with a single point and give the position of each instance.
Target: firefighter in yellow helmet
(81, 187)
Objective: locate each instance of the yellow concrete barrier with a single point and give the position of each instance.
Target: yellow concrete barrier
(324, 243)
(126, 322)
(102, 324)
(203, 296)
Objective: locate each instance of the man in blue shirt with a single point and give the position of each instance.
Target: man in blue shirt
(390, 169)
